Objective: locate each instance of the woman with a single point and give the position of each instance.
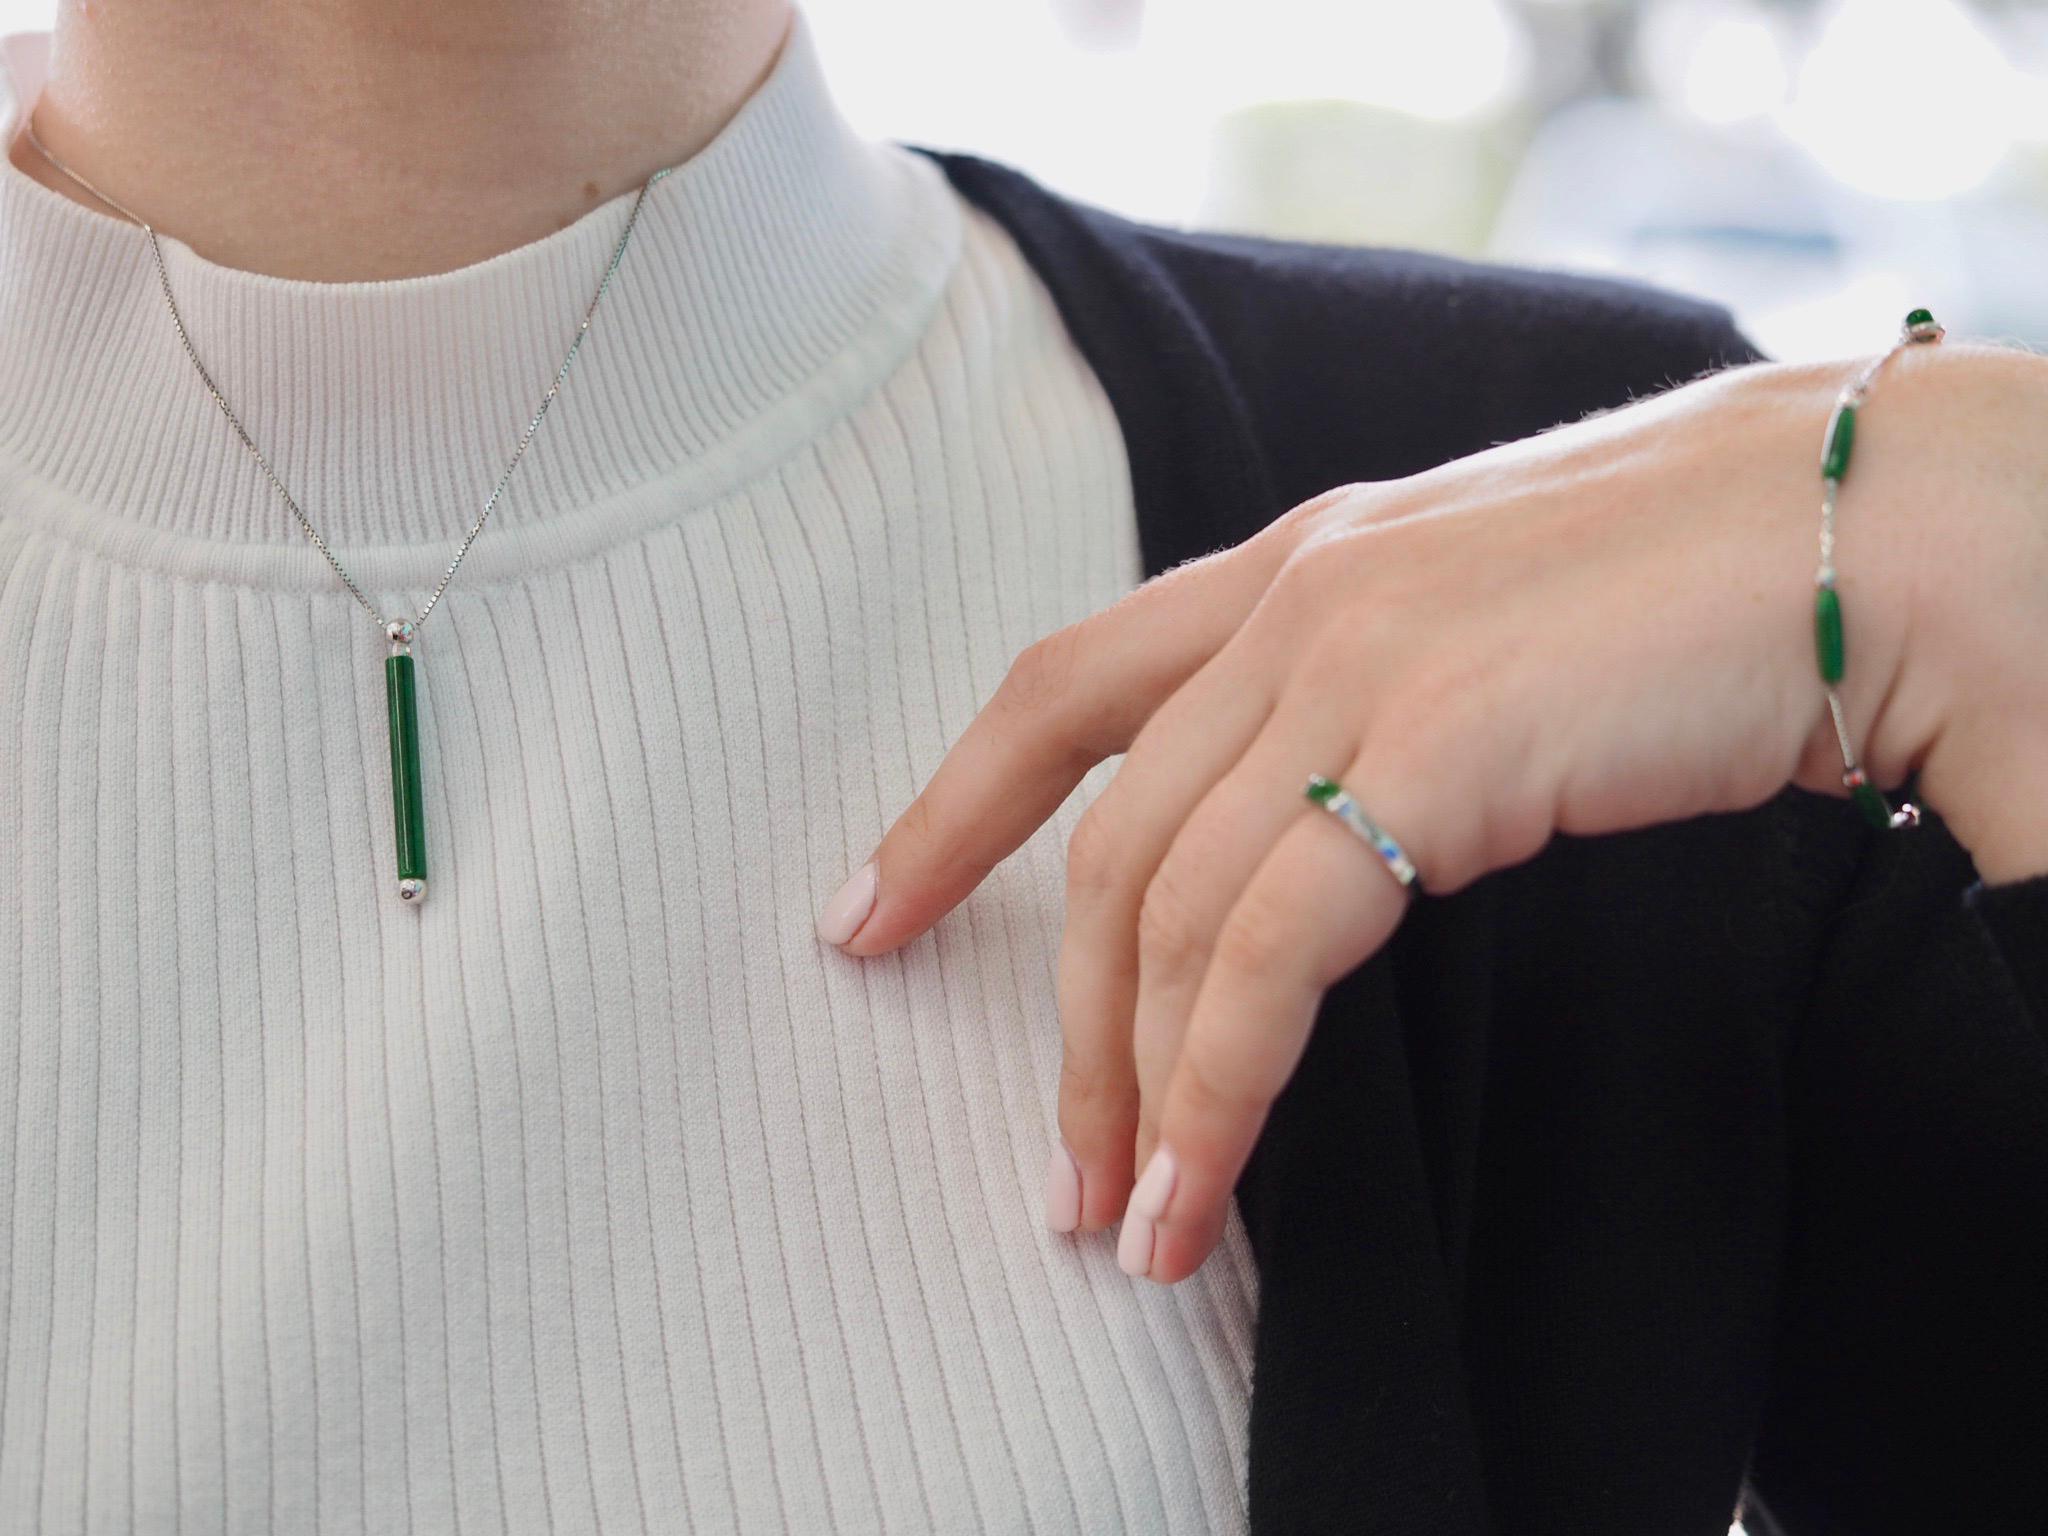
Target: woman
(518, 1158)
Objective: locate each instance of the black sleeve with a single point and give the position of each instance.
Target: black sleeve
(1910, 1387)
(1419, 359)
(2015, 919)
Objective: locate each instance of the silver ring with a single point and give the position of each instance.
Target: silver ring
(1336, 799)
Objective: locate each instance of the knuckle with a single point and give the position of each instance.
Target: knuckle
(1209, 1093)
(1258, 937)
(934, 848)
(1041, 676)
(1371, 632)
(1085, 1087)
(1307, 518)
(1422, 746)
(1093, 856)
(1306, 572)
(1343, 660)
(917, 825)
(1171, 936)
(1328, 659)
(1330, 535)
(1432, 715)
(1095, 1106)
(1433, 741)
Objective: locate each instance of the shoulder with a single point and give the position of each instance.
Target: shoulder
(1357, 362)
(1487, 335)
(1410, 359)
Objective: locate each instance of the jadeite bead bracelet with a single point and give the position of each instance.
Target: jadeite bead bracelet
(1837, 447)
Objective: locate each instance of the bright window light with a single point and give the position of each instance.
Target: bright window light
(1444, 60)
(1736, 72)
(1721, 61)
(1906, 101)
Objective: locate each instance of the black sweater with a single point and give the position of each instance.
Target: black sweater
(1669, 1168)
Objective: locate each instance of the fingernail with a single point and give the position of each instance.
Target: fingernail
(1154, 1187)
(1062, 1189)
(849, 907)
(1134, 1245)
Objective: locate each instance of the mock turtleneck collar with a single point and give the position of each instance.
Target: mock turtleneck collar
(775, 277)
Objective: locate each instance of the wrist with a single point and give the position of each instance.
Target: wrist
(1958, 457)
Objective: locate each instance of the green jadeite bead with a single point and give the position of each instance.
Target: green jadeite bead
(1321, 790)
(1834, 459)
(408, 815)
(1827, 632)
(1920, 317)
(1871, 803)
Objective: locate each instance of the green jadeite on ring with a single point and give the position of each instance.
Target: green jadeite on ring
(1332, 797)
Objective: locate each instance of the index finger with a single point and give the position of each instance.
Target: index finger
(1068, 701)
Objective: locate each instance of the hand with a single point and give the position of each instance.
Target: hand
(1601, 628)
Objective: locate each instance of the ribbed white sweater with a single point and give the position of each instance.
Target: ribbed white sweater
(596, 1193)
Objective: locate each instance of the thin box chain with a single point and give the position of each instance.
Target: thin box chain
(305, 523)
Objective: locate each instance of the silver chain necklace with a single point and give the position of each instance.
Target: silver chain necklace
(409, 822)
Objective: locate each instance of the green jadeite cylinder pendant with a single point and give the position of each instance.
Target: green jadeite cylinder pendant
(408, 818)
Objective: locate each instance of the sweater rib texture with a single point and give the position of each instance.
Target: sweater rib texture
(595, 1193)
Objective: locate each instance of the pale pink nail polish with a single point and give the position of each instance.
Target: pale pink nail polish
(849, 907)
(1134, 1245)
(1062, 1189)
(1155, 1186)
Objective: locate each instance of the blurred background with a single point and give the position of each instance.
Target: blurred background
(1819, 165)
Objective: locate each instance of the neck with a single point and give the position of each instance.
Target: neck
(357, 140)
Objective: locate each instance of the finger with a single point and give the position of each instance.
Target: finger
(1193, 738)
(1320, 904)
(1211, 860)
(1070, 700)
